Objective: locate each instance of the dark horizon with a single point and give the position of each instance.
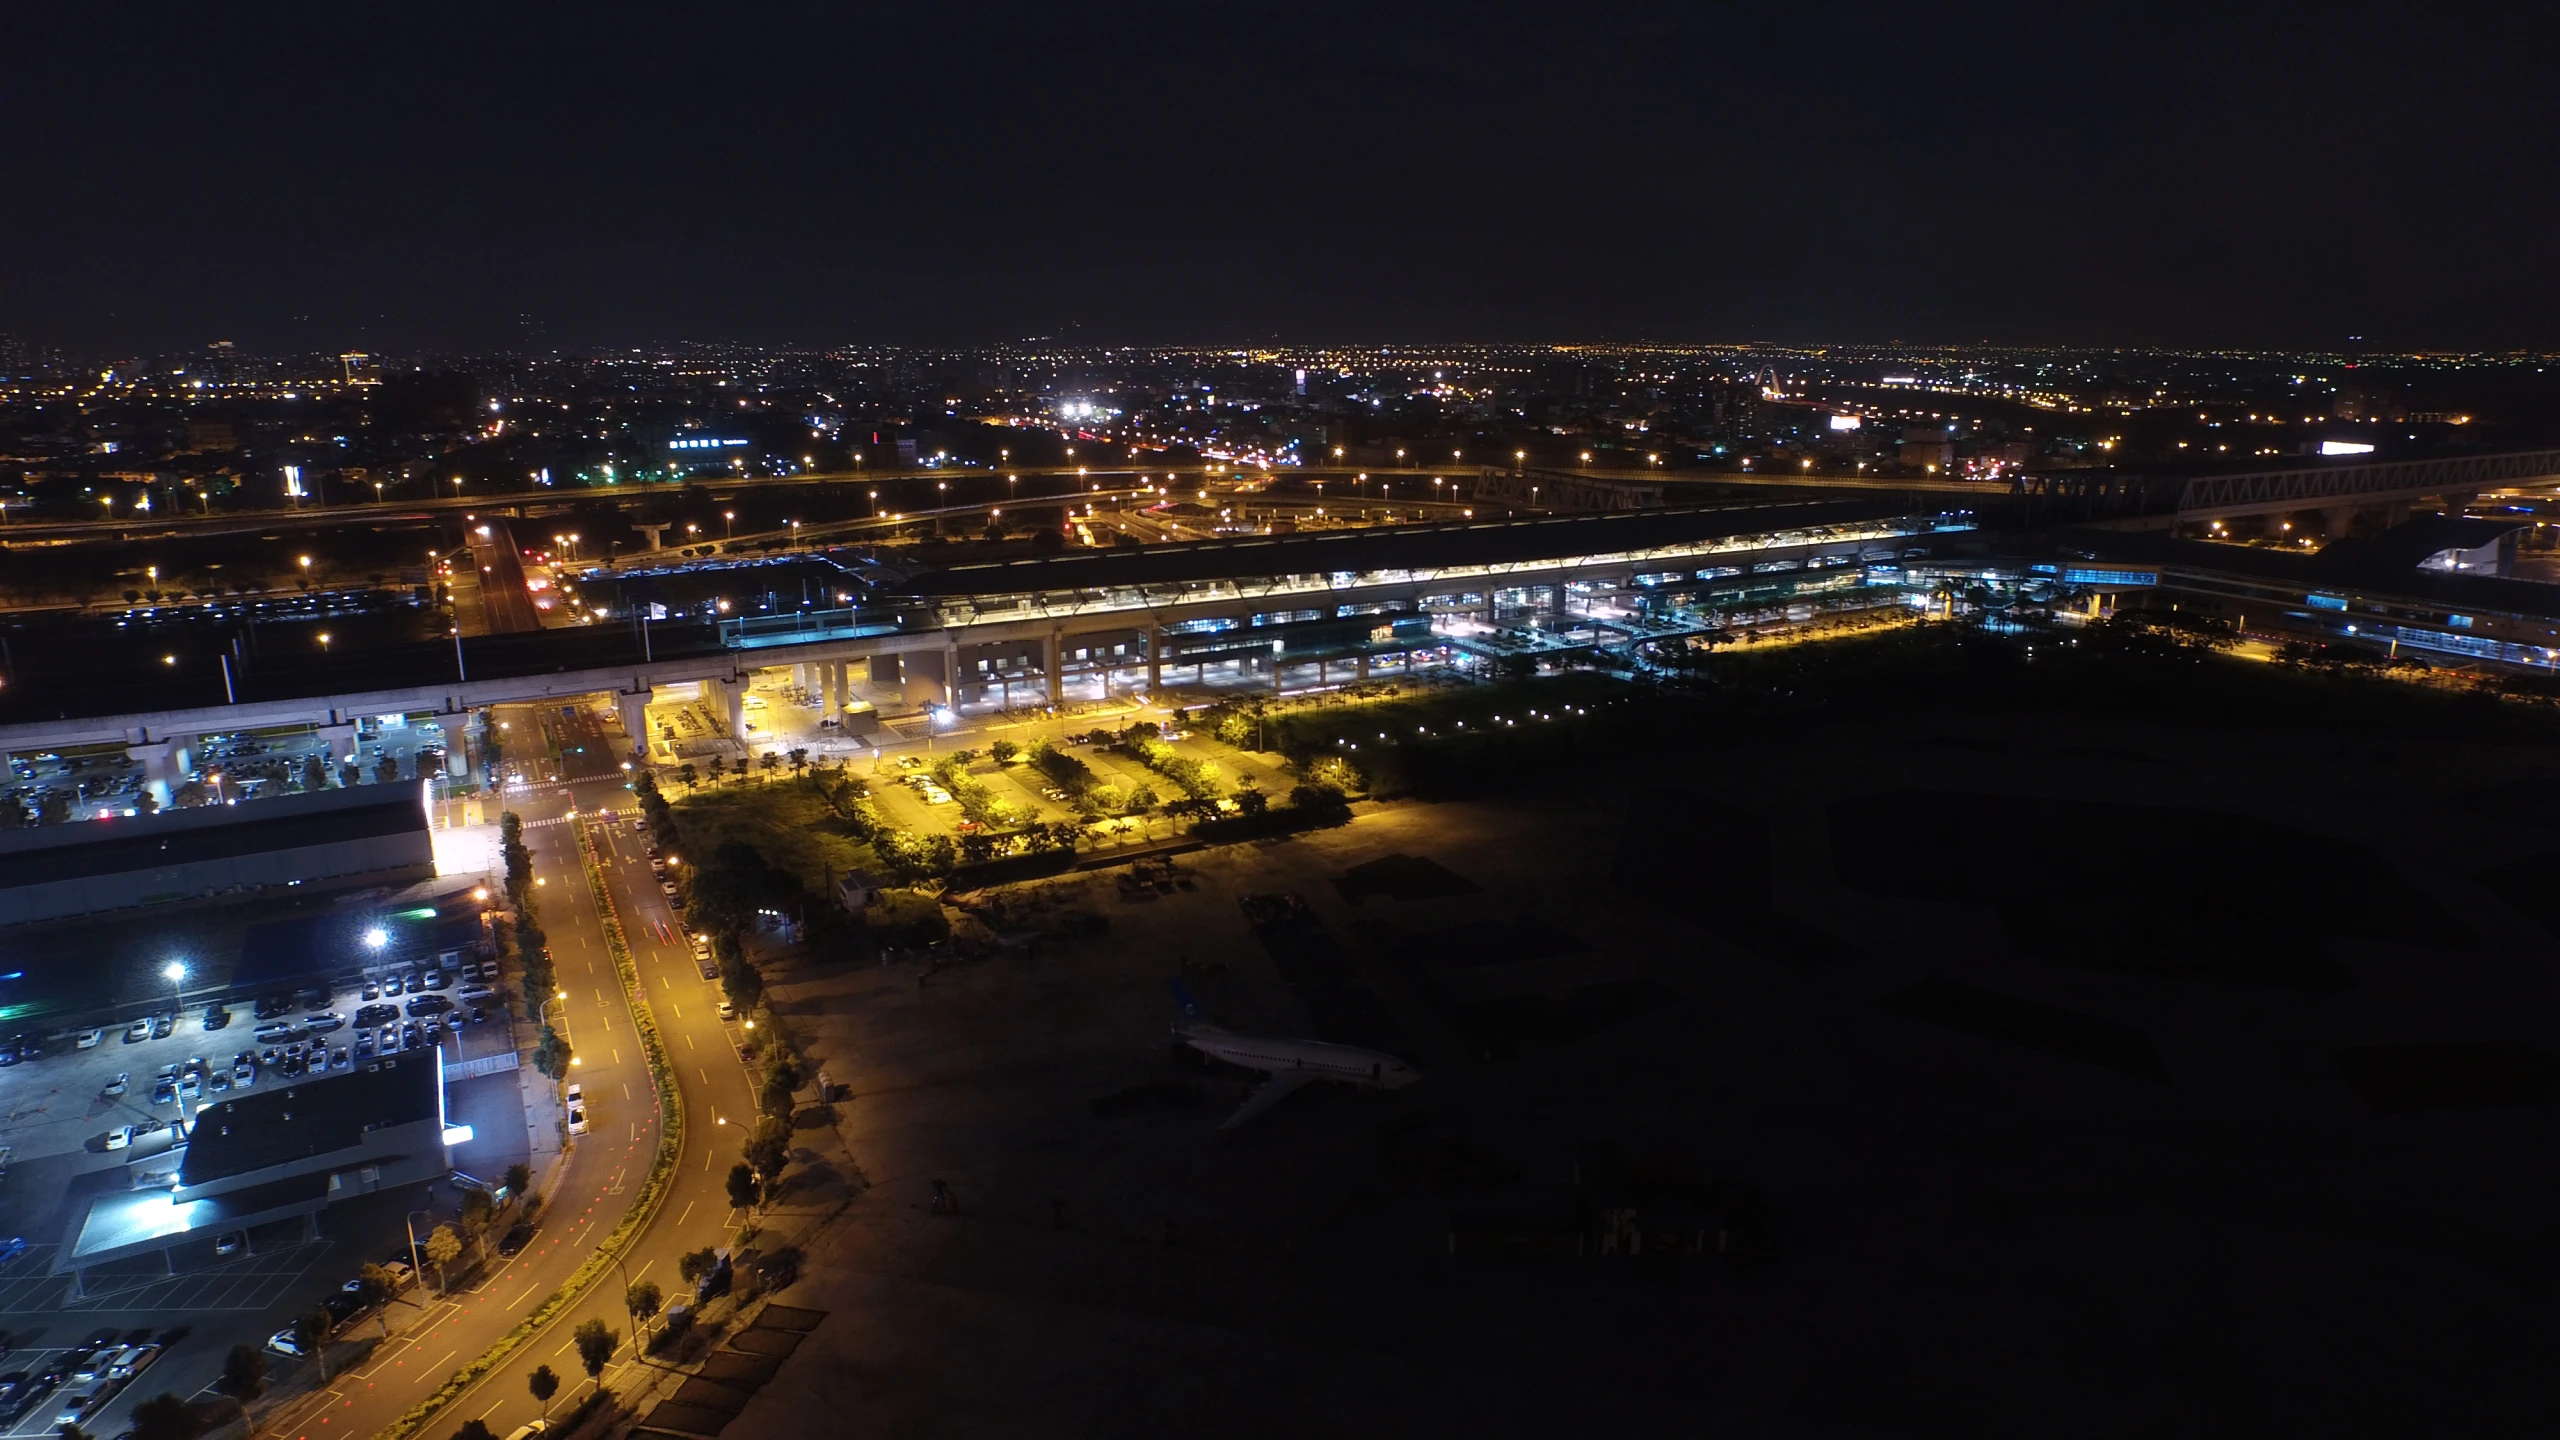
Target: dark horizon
(508, 180)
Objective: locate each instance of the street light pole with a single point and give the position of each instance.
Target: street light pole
(416, 1267)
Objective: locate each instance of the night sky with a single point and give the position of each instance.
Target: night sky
(446, 176)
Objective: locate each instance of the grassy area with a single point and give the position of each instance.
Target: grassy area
(1484, 738)
(787, 821)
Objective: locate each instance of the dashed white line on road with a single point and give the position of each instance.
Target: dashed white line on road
(688, 1209)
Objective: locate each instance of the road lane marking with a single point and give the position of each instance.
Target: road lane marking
(688, 1210)
(510, 1305)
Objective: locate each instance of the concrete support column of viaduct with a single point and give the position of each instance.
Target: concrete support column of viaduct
(1155, 658)
(835, 686)
(733, 705)
(1053, 649)
(634, 709)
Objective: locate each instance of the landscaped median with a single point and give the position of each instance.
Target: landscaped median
(653, 1190)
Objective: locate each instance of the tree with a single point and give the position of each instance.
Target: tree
(312, 1331)
(552, 1055)
(692, 1265)
(518, 1178)
(443, 1248)
(244, 1374)
(771, 762)
(544, 1385)
(718, 764)
(315, 773)
(1003, 751)
(689, 775)
(373, 1287)
(642, 1301)
(165, 1417)
(596, 1342)
(475, 1430)
(70, 1431)
(769, 1146)
(386, 769)
(478, 1210)
(799, 762)
(742, 1186)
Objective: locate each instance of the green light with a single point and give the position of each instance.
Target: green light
(423, 912)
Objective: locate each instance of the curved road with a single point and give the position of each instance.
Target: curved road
(606, 1166)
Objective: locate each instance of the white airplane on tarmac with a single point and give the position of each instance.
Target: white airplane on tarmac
(1291, 1064)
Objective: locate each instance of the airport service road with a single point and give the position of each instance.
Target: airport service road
(612, 1159)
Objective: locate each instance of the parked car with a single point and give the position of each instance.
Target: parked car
(116, 1087)
(577, 1118)
(377, 1014)
(323, 1023)
(120, 1137)
(428, 1005)
(80, 1399)
(286, 1342)
(390, 986)
(89, 1039)
(163, 1026)
(137, 1032)
(216, 1017)
(479, 1014)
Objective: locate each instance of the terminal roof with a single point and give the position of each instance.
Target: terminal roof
(312, 1117)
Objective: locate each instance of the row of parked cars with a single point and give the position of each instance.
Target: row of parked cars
(80, 1380)
(274, 1011)
(347, 1304)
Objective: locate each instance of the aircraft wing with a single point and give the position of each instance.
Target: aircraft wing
(1281, 1085)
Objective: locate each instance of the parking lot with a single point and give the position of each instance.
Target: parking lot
(67, 1123)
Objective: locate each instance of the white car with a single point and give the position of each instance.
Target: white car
(577, 1118)
(89, 1039)
(728, 1011)
(120, 1137)
(285, 1342)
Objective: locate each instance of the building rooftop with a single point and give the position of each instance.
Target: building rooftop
(214, 832)
(312, 1117)
(1519, 540)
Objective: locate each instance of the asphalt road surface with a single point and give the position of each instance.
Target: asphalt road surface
(607, 1165)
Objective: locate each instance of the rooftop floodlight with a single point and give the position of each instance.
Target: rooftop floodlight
(174, 971)
(376, 938)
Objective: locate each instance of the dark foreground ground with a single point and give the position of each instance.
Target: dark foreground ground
(2033, 1079)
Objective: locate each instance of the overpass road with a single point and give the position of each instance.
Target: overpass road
(606, 1166)
(1121, 478)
